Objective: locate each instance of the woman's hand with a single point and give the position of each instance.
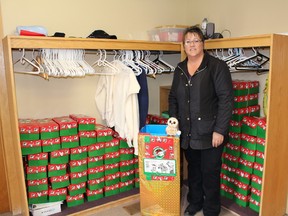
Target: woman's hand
(217, 139)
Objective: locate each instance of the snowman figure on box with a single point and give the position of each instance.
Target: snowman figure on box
(172, 127)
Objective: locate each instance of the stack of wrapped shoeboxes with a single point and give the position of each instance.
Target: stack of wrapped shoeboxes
(73, 159)
(243, 155)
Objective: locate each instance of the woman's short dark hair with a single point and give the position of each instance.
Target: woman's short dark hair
(195, 30)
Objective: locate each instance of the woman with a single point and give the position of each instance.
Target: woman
(201, 98)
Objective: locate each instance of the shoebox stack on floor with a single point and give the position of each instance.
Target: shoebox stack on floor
(75, 160)
(243, 157)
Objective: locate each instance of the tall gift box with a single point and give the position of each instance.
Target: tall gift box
(159, 170)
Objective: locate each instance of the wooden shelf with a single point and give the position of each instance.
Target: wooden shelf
(88, 44)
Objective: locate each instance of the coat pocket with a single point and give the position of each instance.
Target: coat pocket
(205, 126)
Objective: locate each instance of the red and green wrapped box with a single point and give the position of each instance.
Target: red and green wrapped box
(261, 128)
(230, 160)
(226, 180)
(70, 141)
(126, 165)
(239, 113)
(74, 200)
(85, 123)
(76, 189)
(56, 195)
(36, 172)
(245, 165)
(78, 165)
(247, 154)
(136, 172)
(40, 159)
(126, 176)
(249, 125)
(256, 194)
(87, 138)
(111, 190)
(254, 110)
(158, 119)
(97, 149)
(234, 138)
(60, 156)
(78, 177)
(243, 176)
(226, 191)
(241, 101)
(256, 182)
(112, 179)
(136, 161)
(96, 184)
(37, 185)
(241, 199)
(49, 145)
(254, 205)
(137, 182)
(95, 161)
(112, 146)
(111, 168)
(38, 197)
(228, 171)
(248, 141)
(242, 188)
(260, 144)
(103, 133)
(59, 181)
(48, 128)
(93, 195)
(252, 99)
(126, 154)
(28, 129)
(126, 186)
(79, 153)
(96, 172)
(67, 126)
(259, 157)
(112, 157)
(240, 87)
(31, 147)
(122, 142)
(254, 87)
(232, 149)
(57, 170)
(235, 126)
(258, 169)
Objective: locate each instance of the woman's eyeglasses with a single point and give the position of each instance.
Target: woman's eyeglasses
(196, 42)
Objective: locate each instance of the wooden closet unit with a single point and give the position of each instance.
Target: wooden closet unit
(275, 175)
(9, 113)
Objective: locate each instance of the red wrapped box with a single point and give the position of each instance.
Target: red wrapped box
(60, 156)
(67, 125)
(48, 128)
(97, 149)
(126, 186)
(59, 181)
(30, 147)
(75, 200)
(28, 129)
(38, 197)
(79, 153)
(76, 189)
(78, 177)
(40, 159)
(37, 185)
(78, 165)
(96, 184)
(70, 141)
(87, 138)
(36, 172)
(94, 194)
(111, 168)
(56, 195)
(96, 172)
(85, 123)
(112, 179)
(112, 190)
(112, 146)
(95, 161)
(112, 157)
(57, 170)
(49, 145)
(103, 133)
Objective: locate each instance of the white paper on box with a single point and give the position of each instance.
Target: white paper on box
(53, 209)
